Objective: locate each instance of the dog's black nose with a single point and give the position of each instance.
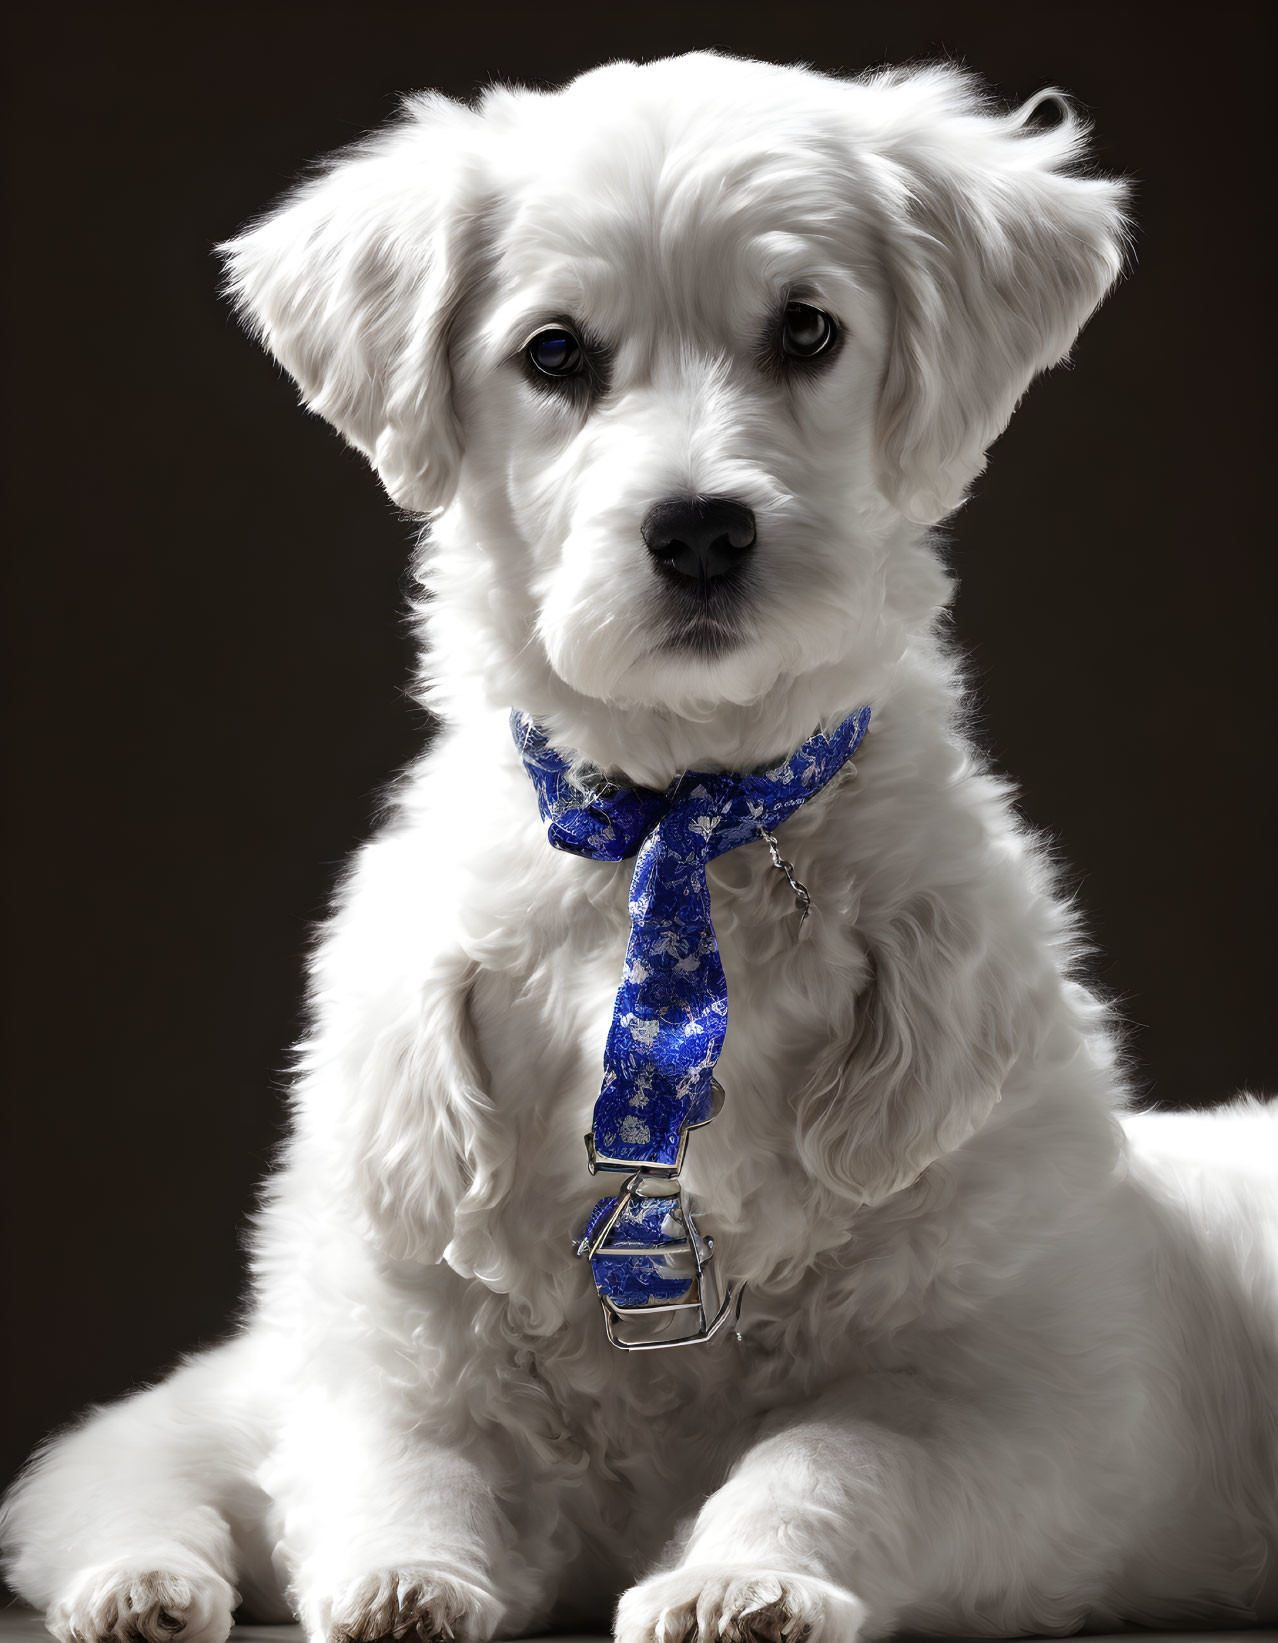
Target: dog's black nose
(698, 537)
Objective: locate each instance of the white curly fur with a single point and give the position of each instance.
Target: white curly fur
(1005, 1368)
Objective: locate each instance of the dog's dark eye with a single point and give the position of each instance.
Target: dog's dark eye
(555, 352)
(806, 331)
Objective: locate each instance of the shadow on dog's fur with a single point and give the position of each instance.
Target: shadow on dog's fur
(1007, 1365)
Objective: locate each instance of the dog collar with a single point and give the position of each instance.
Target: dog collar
(670, 1018)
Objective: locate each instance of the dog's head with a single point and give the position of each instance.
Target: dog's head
(681, 360)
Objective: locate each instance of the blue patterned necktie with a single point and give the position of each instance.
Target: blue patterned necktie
(671, 1013)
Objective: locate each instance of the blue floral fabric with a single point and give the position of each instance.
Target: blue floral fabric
(671, 1014)
(654, 1224)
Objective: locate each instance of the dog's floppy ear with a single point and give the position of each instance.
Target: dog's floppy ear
(352, 284)
(934, 1038)
(997, 250)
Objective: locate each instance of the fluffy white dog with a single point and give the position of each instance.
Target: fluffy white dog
(1008, 1362)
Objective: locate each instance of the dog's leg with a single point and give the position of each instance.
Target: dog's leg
(137, 1525)
(874, 1509)
(388, 1534)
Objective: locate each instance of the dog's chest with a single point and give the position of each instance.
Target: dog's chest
(543, 1019)
(542, 1028)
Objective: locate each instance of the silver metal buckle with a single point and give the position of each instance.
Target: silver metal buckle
(597, 1162)
(702, 1296)
(600, 1161)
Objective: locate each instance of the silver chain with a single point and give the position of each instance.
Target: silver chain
(802, 900)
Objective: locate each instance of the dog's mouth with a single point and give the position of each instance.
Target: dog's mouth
(706, 617)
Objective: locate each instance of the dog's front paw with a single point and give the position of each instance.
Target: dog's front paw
(412, 1602)
(717, 1604)
(123, 1603)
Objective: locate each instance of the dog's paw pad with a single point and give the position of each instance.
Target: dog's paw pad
(412, 1605)
(116, 1604)
(737, 1605)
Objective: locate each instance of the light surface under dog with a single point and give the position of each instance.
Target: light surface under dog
(23, 1626)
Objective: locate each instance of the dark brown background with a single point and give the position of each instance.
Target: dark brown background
(205, 627)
